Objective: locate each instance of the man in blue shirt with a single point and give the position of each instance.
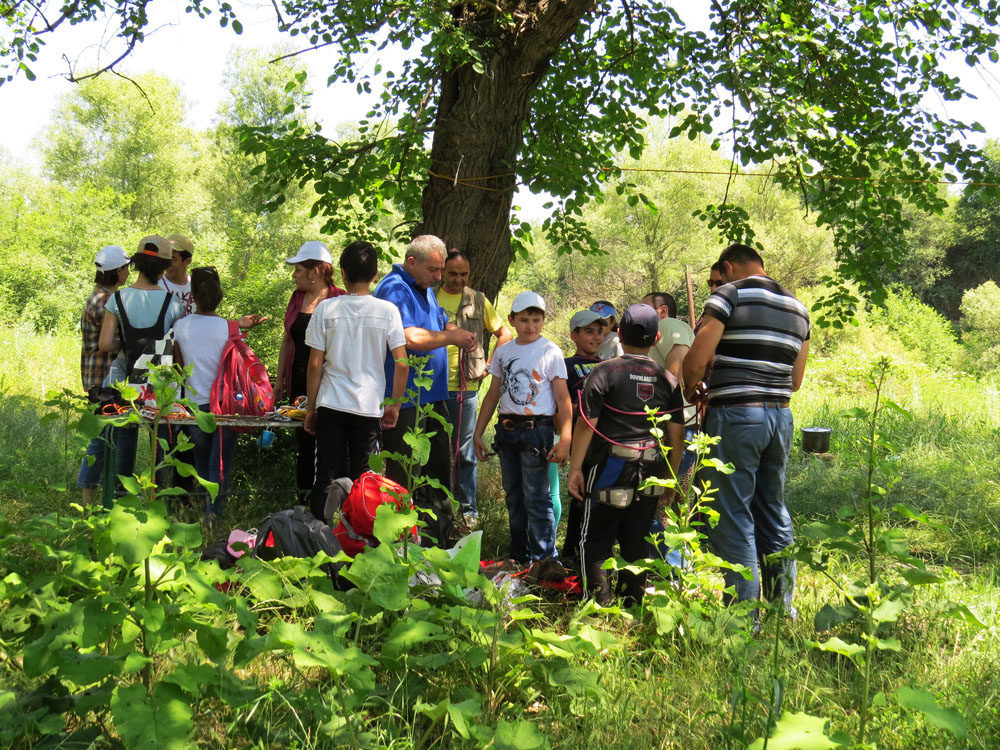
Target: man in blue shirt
(408, 287)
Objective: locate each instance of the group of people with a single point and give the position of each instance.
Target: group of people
(118, 322)
(346, 351)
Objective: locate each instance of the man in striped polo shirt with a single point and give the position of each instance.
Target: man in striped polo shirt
(755, 334)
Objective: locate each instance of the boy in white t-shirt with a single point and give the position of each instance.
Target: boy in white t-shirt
(529, 384)
(176, 279)
(349, 337)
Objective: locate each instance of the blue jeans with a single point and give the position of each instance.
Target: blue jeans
(90, 474)
(754, 521)
(126, 445)
(525, 471)
(207, 464)
(687, 457)
(465, 480)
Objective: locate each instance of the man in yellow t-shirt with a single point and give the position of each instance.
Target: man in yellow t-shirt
(471, 311)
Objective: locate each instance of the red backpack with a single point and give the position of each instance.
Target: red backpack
(242, 386)
(357, 513)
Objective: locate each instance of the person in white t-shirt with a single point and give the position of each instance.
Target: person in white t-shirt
(529, 384)
(199, 341)
(176, 279)
(349, 336)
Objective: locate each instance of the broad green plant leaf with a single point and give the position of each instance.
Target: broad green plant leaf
(391, 523)
(518, 735)
(798, 732)
(888, 611)
(135, 529)
(383, 578)
(963, 613)
(907, 512)
(916, 699)
(162, 721)
(836, 645)
(186, 535)
(421, 445)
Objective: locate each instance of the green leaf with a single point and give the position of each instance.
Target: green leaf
(832, 615)
(888, 611)
(213, 641)
(407, 633)
(193, 679)
(186, 535)
(264, 584)
(836, 645)
(421, 445)
(160, 722)
(798, 732)
(920, 576)
(821, 530)
(907, 512)
(963, 613)
(134, 662)
(391, 523)
(888, 644)
(88, 668)
(463, 714)
(916, 699)
(518, 735)
(205, 420)
(383, 578)
(151, 616)
(136, 530)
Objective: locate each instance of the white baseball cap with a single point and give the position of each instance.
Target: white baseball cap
(111, 257)
(312, 250)
(524, 300)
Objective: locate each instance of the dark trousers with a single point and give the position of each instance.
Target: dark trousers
(343, 444)
(305, 463)
(574, 523)
(603, 525)
(439, 531)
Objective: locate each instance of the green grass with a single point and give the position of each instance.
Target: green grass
(656, 691)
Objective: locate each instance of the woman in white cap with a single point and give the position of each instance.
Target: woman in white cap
(313, 276)
(145, 308)
(112, 272)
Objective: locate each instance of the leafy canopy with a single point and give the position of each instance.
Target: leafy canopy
(831, 98)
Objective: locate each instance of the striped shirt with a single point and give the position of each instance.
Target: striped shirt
(765, 327)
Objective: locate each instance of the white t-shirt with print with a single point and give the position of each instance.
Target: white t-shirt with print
(181, 291)
(355, 332)
(201, 339)
(526, 372)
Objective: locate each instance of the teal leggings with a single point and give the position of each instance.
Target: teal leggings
(554, 494)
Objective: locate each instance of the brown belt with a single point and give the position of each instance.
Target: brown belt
(523, 422)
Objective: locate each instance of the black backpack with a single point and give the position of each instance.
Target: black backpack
(296, 533)
(139, 341)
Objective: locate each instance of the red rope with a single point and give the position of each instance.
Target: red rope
(605, 438)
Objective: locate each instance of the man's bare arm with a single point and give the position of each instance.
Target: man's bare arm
(701, 353)
(422, 340)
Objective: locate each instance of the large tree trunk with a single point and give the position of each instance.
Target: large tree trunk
(479, 132)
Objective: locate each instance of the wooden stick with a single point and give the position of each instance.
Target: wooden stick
(687, 274)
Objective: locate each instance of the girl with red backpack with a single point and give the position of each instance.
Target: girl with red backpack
(199, 340)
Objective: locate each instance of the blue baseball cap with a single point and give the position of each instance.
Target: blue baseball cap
(604, 310)
(639, 325)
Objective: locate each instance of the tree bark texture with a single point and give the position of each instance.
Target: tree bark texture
(479, 132)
